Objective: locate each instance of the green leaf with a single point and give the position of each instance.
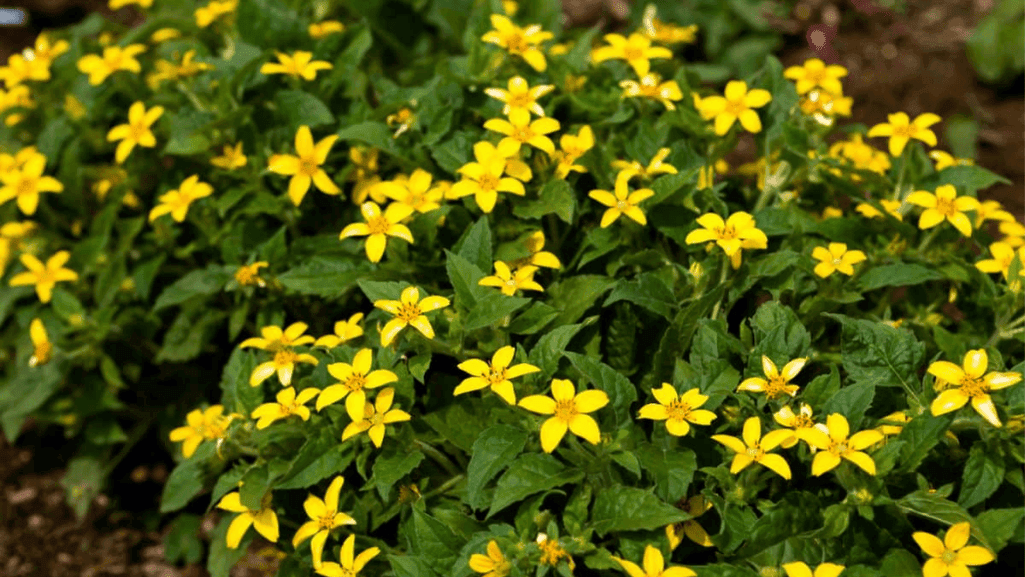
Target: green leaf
(530, 474)
(982, 476)
(21, 395)
(493, 450)
(410, 566)
(672, 470)
(318, 459)
(620, 508)
(197, 283)
(620, 390)
(383, 290)
(902, 274)
(556, 197)
(52, 137)
(969, 178)
(475, 244)
(920, 435)
(419, 364)
(576, 294)
(389, 467)
(780, 335)
(822, 388)
(452, 154)
(798, 512)
(939, 509)
(465, 276)
(648, 291)
(188, 334)
(851, 401)
(877, 353)
(538, 316)
(260, 21)
(549, 348)
(326, 276)
(900, 563)
(299, 108)
(236, 394)
(104, 430)
(433, 540)
(1000, 525)
(181, 543)
(83, 481)
(185, 481)
(375, 134)
(490, 310)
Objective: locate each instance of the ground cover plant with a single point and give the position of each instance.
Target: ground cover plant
(476, 295)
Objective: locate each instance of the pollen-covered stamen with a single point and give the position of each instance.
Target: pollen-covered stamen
(408, 312)
(523, 134)
(803, 422)
(285, 357)
(497, 375)
(726, 233)
(565, 410)
(839, 449)
(520, 100)
(678, 410)
(378, 225)
(356, 382)
(488, 182)
(949, 557)
(308, 166)
(735, 107)
(516, 43)
(776, 387)
(622, 205)
(946, 206)
(633, 53)
(326, 522)
(973, 387)
(755, 452)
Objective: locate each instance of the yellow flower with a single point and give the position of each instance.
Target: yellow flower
(736, 233)
(114, 59)
(117, 4)
(944, 205)
(305, 169)
(892, 207)
(824, 106)
(651, 86)
(570, 149)
(409, 311)
(739, 103)
(26, 183)
(415, 192)
(17, 97)
(344, 331)
(206, 15)
(494, 564)
(900, 128)
(299, 65)
(44, 276)
(695, 507)
(404, 119)
(42, 348)
(1014, 233)
(44, 51)
(350, 564)
(280, 342)
(231, 158)
(946, 160)
(655, 167)
(754, 447)
(800, 569)
(509, 282)
(167, 70)
(355, 379)
(552, 552)
(569, 412)
(802, 423)
(326, 28)
(288, 404)
(496, 376)
(654, 566)
(538, 256)
(837, 445)
(484, 179)
(887, 429)
(379, 226)
(519, 130)
(664, 32)
(264, 520)
(201, 426)
(372, 418)
(324, 517)
(177, 202)
(1003, 256)
(623, 201)
(522, 42)
(991, 210)
(636, 50)
(249, 274)
(950, 556)
(572, 83)
(365, 174)
(164, 34)
(136, 132)
(814, 72)
(971, 383)
(676, 410)
(520, 96)
(706, 176)
(778, 383)
(861, 154)
(836, 258)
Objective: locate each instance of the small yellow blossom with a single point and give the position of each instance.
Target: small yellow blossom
(494, 564)
(114, 59)
(249, 274)
(892, 207)
(496, 376)
(654, 566)
(74, 107)
(288, 404)
(950, 556)
(118, 4)
(522, 42)
(45, 51)
(167, 70)
(651, 86)
(836, 258)
(409, 310)
(635, 49)
(202, 425)
(657, 166)
(264, 520)
(944, 205)
(991, 210)
(44, 277)
(349, 564)
(372, 418)
(900, 128)
(42, 347)
(353, 382)
(706, 175)
(539, 257)
(365, 174)
(509, 281)
(519, 130)
(862, 155)
(946, 160)
(1014, 233)
(778, 383)
(814, 73)
(969, 382)
(17, 97)
(572, 148)
(164, 34)
(404, 119)
(231, 158)
(754, 448)
(801, 423)
(299, 65)
(738, 104)
(623, 201)
(326, 28)
(485, 178)
(659, 31)
(738, 232)
(206, 15)
(25, 183)
(415, 192)
(279, 342)
(344, 331)
(520, 96)
(324, 517)
(1003, 256)
(177, 202)
(137, 132)
(678, 411)
(19, 69)
(305, 169)
(837, 445)
(572, 83)
(552, 552)
(695, 507)
(379, 226)
(569, 412)
(824, 106)
(800, 569)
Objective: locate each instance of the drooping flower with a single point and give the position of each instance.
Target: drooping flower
(836, 258)
(951, 556)
(279, 342)
(801, 569)
(509, 281)
(372, 417)
(778, 383)
(249, 274)
(837, 445)
(42, 347)
(319, 30)
(754, 448)
(44, 277)
(695, 507)
(623, 201)
(299, 65)
(520, 130)
(657, 166)
(26, 183)
(137, 132)
(379, 226)
(113, 60)
(635, 49)
(802, 424)
(264, 519)
(403, 118)
(901, 129)
(231, 158)
(344, 332)
(494, 564)
(651, 86)
(496, 376)
(305, 169)
(538, 256)
(572, 148)
(409, 310)
(288, 404)
(353, 382)
(944, 205)
(738, 232)
(520, 96)
(815, 73)
(324, 517)
(522, 42)
(738, 103)
(486, 178)
(349, 564)
(177, 202)
(202, 425)
(1003, 256)
(969, 382)
(654, 566)
(569, 412)
(678, 411)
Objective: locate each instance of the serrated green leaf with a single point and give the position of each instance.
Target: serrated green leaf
(851, 401)
(620, 390)
(390, 466)
(492, 309)
(982, 476)
(620, 508)
(493, 450)
(877, 353)
(903, 274)
(197, 283)
(672, 471)
(647, 290)
(530, 474)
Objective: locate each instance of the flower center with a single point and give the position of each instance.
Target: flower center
(326, 522)
(520, 100)
(803, 422)
(523, 134)
(973, 387)
(356, 382)
(735, 107)
(408, 312)
(622, 205)
(816, 76)
(41, 355)
(26, 186)
(678, 410)
(565, 410)
(284, 358)
(378, 225)
(137, 131)
(839, 449)
(949, 557)
(905, 131)
(488, 182)
(755, 452)
(777, 386)
(727, 233)
(946, 207)
(497, 375)
(837, 261)
(633, 53)
(308, 166)
(516, 43)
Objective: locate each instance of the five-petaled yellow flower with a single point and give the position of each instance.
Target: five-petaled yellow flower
(288, 404)
(202, 425)
(326, 28)
(372, 417)
(654, 566)
(280, 342)
(415, 192)
(801, 569)
(509, 281)
(324, 516)
(657, 166)
(409, 311)
(836, 258)
(177, 202)
(623, 201)
(305, 169)
(299, 65)
(496, 375)
(676, 410)
(969, 382)
(114, 59)
(26, 183)
(231, 158)
(485, 178)
(950, 556)
(1003, 256)
(264, 519)
(738, 232)
(249, 274)
(754, 448)
(778, 383)
(900, 128)
(350, 564)
(353, 382)
(494, 564)
(696, 506)
(651, 86)
(344, 332)
(42, 348)
(570, 149)
(522, 42)
(991, 210)
(814, 73)
(379, 226)
(738, 104)
(44, 276)
(569, 412)
(802, 423)
(944, 205)
(520, 96)
(838, 445)
(636, 50)
(136, 132)
(519, 130)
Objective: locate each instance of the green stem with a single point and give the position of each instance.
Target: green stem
(438, 457)
(137, 433)
(900, 174)
(928, 239)
(767, 190)
(722, 279)
(444, 487)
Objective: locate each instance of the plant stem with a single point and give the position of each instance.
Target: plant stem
(438, 457)
(444, 487)
(722, 279)
(763, 198)
(928, 239)
(900, 174)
